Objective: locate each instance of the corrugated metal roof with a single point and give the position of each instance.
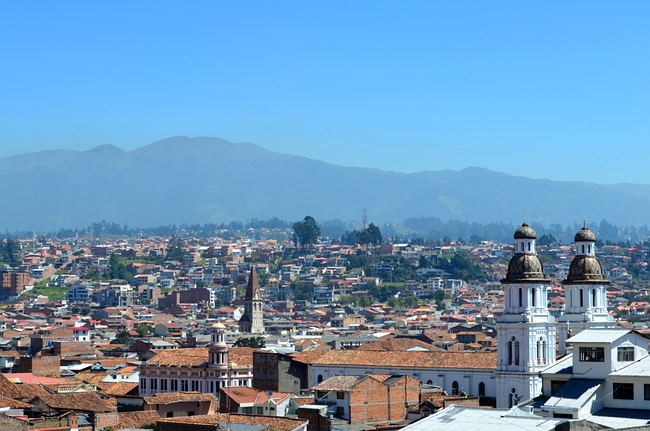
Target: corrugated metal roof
(574, 394)
(563, 366)
(598, 336)
(636, 368)
(455, 418)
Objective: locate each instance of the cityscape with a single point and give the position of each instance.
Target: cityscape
(324, 216)
(286, 328)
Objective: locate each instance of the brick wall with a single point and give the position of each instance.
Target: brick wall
(103, 420)
(44, 366)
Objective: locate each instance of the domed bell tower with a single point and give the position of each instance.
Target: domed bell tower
(584, 291)
(218, 350)
(526, 330)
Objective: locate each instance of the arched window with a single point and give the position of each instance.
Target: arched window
(583, 248)
(533, 292)
(514, 399)
(589, 248)
(454, 388)
(481, 389)
(320, 378)
(521, 297)
(516, 352)
(582, 298)
(509, 352)
(593, 298)
(429, 382)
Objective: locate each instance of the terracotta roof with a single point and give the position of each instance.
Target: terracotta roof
(338, 383)
(397, 344)
(441, 359)
(87, 401)
(136, 419)
(9, 389)
(283, 424)
(195, 357)
(13, 404)
(308, 356)
(120, 388)
(303, 400)
(178, 397)
(244, 394)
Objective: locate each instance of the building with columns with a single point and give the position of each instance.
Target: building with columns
(199, 369)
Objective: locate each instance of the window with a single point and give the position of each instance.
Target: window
(625, 354)
(454, 388)
(623, 391)
(320, 378)
(163, 384)
(516, 352)
(646, 392)
(533, 294)
(154, 384)
(592, 354)
(143, 384)
(340, 411)
(340, 395)
(260, 410)
(481, 389)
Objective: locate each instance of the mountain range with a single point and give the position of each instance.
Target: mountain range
(198, 180)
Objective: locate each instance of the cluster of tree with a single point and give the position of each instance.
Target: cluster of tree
(306, 232)
(9, 251)
(461, 267)
(175, 249)
(302, 291)
(433, 228)
(368, 236)
(254, 342)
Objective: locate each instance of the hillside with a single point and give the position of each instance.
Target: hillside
(198, 180)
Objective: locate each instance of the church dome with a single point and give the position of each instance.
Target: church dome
(525, 232)
(584, 234)
(525, 267)
(218, 326)
(585, 269)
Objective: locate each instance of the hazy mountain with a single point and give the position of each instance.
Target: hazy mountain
(198, 180)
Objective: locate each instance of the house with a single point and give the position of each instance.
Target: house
(605, 377)
(370, 398)
(174, 404)
(198, 369)
(254, 401)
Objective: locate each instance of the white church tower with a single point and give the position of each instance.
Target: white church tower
(585, 291)
(526, 331)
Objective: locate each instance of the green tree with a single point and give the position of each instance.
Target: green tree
(122, 338)
(175, 249)
(143, 330)
(306, 232)
(254, 342)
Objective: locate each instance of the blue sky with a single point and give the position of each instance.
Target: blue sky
(556, 90)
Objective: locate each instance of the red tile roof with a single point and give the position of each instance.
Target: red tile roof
(441, 359)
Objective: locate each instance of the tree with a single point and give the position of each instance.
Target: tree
(306, 232)
(254, 342)
(175, 249)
